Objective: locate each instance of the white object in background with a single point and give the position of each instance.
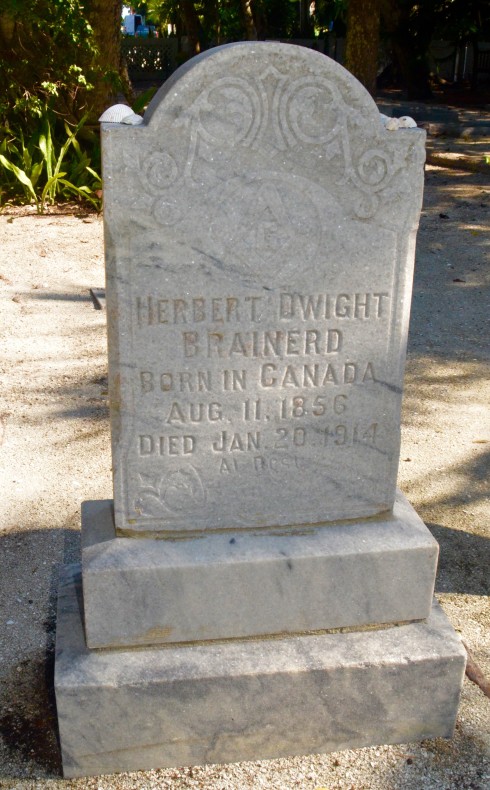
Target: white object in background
(120, 113)
(392, 124)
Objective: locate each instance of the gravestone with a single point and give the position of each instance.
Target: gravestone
(260, 232)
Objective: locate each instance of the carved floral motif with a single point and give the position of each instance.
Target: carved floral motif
(276, 114)
(180, 491)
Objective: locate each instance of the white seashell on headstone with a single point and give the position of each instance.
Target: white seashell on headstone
(133, 119)
(407, 123)
(116, 113)
(392, 124)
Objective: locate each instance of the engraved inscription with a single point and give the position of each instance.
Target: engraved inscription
(295, 387)
(315, 375)
(277, 343)
(179, 381)
(299, 406)
(325, 306)
(166, 445)
(151, 310)
(342, 435)
(234, 379)
(235, 441)
(184, 413)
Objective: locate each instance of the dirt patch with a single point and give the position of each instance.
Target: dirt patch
(55, 452)
(28, 725)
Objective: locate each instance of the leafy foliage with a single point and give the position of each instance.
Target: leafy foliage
(46, 52)
(220, 21)
(55, 73)
(43, 170)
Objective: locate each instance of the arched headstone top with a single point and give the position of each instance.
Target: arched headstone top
(273, 82)
(268, 108)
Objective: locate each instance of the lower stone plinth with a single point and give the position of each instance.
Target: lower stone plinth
(128, 710)
(140, 591)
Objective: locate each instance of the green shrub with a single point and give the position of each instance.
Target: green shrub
(48, 167)
(47, 49)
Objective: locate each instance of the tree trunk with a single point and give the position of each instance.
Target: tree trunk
(474, 74)
(304, 19)
(193, 26)
(109, 79)
(248, 20)
(362, 43)
(409, 46)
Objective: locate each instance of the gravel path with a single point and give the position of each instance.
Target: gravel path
(55, 452)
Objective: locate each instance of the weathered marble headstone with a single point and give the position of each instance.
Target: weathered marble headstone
(260, 239)
(260, 233)
(260, 247)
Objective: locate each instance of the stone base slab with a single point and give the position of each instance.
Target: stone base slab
(128, 710)
(140, 591)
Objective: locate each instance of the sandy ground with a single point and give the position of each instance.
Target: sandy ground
(55, 453)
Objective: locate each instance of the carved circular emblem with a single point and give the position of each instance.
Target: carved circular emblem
(166, 211)
(160, 170)
(366, 204)
(230, 112)
(308, 109)
(374, 167)
(270, 220)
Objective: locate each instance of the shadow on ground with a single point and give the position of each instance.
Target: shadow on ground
(464, 560)
(28, 723)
